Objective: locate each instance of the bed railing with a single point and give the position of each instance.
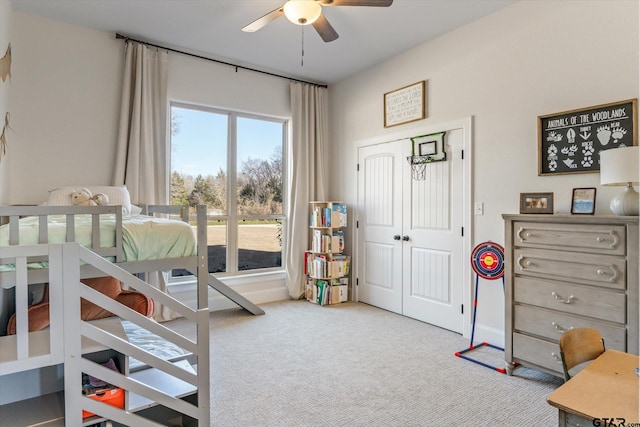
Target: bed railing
(12, 215)
(25, 351)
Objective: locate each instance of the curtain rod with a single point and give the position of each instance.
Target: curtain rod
(126, 38)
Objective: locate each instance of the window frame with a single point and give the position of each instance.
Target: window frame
(231, 215)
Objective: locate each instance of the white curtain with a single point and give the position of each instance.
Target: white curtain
(309, 115)
(141, 162)
(141, 156)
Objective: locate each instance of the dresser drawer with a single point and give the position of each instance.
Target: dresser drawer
(604, 239)
(590, 301)
(552, 324)
(539, 352)
(598, 270)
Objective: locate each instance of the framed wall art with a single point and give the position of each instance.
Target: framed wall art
(583, 201)
(536, 203)
(571, 141)
(404, 105)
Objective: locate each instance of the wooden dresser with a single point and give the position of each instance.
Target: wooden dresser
(568, 271)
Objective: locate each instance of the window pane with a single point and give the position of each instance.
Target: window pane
(199, 159)
(259, 244)
(199, 173)
(259, 167)
(217, 245)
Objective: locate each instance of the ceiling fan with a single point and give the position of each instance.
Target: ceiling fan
(309, 12)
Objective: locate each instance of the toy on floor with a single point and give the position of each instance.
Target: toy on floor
(487, 260)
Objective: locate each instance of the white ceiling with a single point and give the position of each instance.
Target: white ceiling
(212, 28)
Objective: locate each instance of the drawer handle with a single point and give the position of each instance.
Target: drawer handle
(558, 358)
(560, 299)
(523, 263)
(559, 328)
(611, 272)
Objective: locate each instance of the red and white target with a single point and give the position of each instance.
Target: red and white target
(487, 260)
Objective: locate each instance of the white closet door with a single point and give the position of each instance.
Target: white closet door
(379, 267)
(432, 257)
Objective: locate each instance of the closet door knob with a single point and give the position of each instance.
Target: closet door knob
(405, 238)
(396, 237)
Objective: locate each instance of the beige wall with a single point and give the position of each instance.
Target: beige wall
(6, 14)
(66, 94)
(504, 70)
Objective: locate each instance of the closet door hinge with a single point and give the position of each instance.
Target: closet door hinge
(357, 167)
(357, 282)
(462, 154)
(461, 308)
(357, 224)
(462, 231)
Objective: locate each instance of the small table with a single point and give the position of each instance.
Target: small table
(608, 387)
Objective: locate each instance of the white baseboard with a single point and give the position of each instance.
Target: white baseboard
(490, 335)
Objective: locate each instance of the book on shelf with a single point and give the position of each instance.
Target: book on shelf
(337, 241)
(331, 216)
(325, 292)
(340, 265)
(338, 215)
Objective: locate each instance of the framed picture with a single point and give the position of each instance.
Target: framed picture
(536, 203)
(583, 201)
(571, 141)
(404, 105)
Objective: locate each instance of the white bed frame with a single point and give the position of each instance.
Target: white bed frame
(72, 344)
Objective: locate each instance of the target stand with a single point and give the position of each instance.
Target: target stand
(487, 260)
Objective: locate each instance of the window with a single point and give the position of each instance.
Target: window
(233, 163)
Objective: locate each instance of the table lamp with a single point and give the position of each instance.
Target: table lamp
(619, 166)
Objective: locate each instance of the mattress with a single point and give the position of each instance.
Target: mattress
(143, 237)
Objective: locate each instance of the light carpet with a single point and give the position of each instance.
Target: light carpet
(356, 365)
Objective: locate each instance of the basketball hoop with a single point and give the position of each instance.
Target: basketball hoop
(418, 166)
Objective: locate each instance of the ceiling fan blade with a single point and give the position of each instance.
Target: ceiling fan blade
(374, 3)
(326, 31)
(264, 20)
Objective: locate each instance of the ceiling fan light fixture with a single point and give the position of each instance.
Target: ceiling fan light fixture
(302, 12)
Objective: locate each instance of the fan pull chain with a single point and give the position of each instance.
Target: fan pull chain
(302, 48)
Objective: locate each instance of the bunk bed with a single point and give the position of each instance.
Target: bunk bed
(60, 246)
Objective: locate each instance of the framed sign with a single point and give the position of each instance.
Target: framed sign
(583, 201)
(571, 141)
(404, 105)
(536, 203)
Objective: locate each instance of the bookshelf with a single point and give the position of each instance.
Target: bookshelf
(326, 268)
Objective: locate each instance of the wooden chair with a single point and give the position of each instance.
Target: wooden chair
(579, 345)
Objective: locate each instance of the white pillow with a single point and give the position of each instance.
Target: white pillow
(117, 194)
(136, 210)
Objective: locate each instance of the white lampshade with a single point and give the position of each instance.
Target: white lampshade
(302, 12)
(619, 166)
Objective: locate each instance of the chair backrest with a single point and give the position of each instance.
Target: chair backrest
(579, 345)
